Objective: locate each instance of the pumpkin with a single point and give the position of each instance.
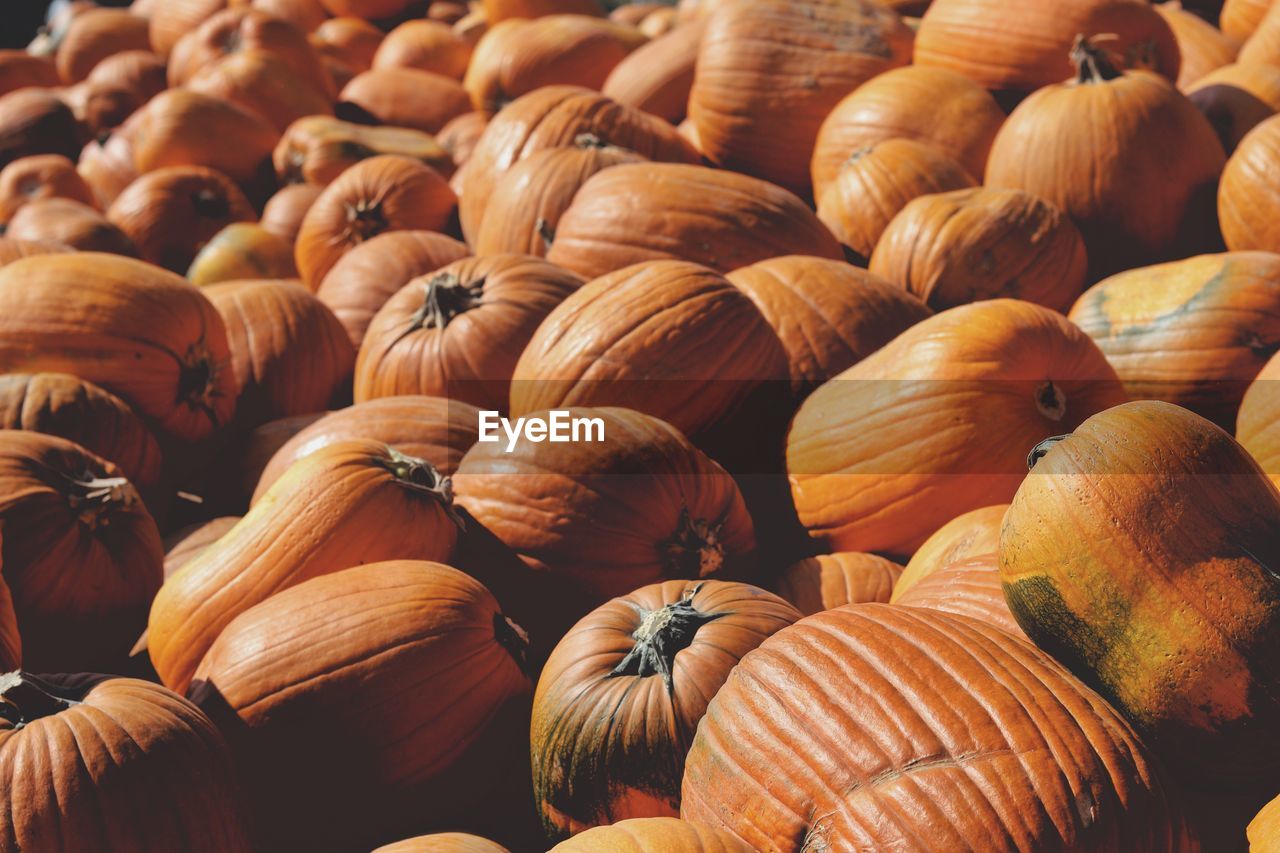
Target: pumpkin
(377, 195)
(1258, 424)
(1203, 46)
(1263, 45)
(20, 70)
(35, 121)
(1237, 98)
(1246, 204)
(70, 223)
(1194, 332)
(496, 11)
(931, 105)
(1085, 146)
(970, 534)
(289, 353)
(250, 30)
(651, 835)
(370, 10)
(14, 250)
(124, 747)
(829, 315)
(306, 15)
(79, 411)
(424, 45)
(81, 555)
(242, 250)
(669, 338)
(170, 214)
(106, 164)
(963, 246)
(262, 83)
(170, 20)
(876, 182)
(430, 428)
(657, 77)
(257, 448)
(191, 541)
(552, 117)
(387, 688)
(828, 581)
(517, 56)
(460, 135)
(671, 511)
(443, 842)
(118, 86)
(528, 200)
(349, 41)
(619, 699)
(1025, 48)
(362, 281)
(184, 128)
(1139, 554)
(652, 211)
(324, 515)
(633, 13)
(137, 331)
(317, 149)
(458, 332)
(95, 35)
(914, 725)
(404, 97)
(283, 213)
(969, 587)
(1241, 17)
(939, 422)
(769, 72)
(1264, 829)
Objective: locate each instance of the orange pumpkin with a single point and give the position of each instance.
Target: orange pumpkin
(244, 29)
(403, 97)
(242, 250)
(1263, 45)
(306, 15)
(460, 136)
(1241, 17)
(969, 587)
(170, 20)
(20, 70)
(828, 581)
(1203, 46)
(36, 121)
(182, 546)
(106, 164)
(69, 223)
(283, 213)
(118, 86)
(1258, 424)
(657, 77)
(95, 35)
(256, 449)
(424, 45)
(443, 842)
(1246, 200)
(496, 11)
(184, 128)
(262, 83)
(317, 149)
(351, 42)
(1237, 98)
(968, 535)
(652, 834)
(14, 250)
(1264, 830)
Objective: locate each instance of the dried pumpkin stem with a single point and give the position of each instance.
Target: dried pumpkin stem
(198, 380)
(694, 550)
(662, 634)
(421, 476)
(95, 498)
(1051, 401)
(589, 140)
(446, 297)
(1093, 64)
(25, 699)
(1040, 450)
(365, 220)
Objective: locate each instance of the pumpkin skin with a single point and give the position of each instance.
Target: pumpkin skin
(95, 35)
(191, 541)
(284, 211)
(289, 353)
(529, 199)
(1134, 204)
(1237, 98)
(317, 149)
(930, 105)
(21, 70)
(306, 525)
(306, 15)
(1194, 333)
(673, 513)
(424, 45)
(959, 247)
(829, 315)
(458, 332)
(1241, 17)
(653, 211)
(1264, 829)
(350, 42)
(968, 535)
(619, 699)
(1020, 744)
(79, 411)
(828, 581)
(35, 121)
(242, 250)
(431, 428)
(388, 686)
(185, 128)
(384, 193)
(979, 385)
(496, 11)
(1263, 45)
(39, 177)
(1246, 205)
(139, 332)
(246, 30)
(118, 86)
(769, 72)
(1203, 46)
(657, 77)
(404, 97)
(126, 747)
(262, 83)
(1258, 424)
(651, 835)
(969, 587)
(668, 338)
(1026, 48)
(81, 555)
(1116, 557)
(107, 167)
(460, 136)
(170, 21)
(69, 223)
(15, 250)
(444, 842)
(552, 117)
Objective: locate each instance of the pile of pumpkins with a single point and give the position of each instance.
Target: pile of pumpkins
(933, 346)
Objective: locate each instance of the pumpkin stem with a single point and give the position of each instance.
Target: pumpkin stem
(446, 297)
(514, 639)
(95, 499)
(198, 381)
(421, 476)
(662, 634)
(1093, 64)
(25, 699)
(1040, 450)
(365, 220)
(1050, 401)
(546, 232)
(694, 550)
(589, 140)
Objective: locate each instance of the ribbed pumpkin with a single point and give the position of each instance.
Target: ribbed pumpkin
(828, 581)
(619, 699)
(242, 250)
(652, 835)
(1140, 553)
(284, 211)
(444, 842)
(1258, 424)
(668, 338)
(69, 223)
(671, 512)
(38, 177)
(15, 250)
(770, 71)
(939, 422)
(172, 19)
(657, 77)
(1085, 146)
(651, 211)
(79, 411)
(496, 11)
(876, 182)
(399, 665)
(289, 353)
(970, 534)
(242, 30)
(107, 166)
(930, 105)
(404, 97)
(137, 331)
(549, 118)
(93, 36)
(829, 315)
(262, 83)
(317, 149)
(329, 512)
(459, 331)
(431, 428)
(1264, 829)
(1025, 47)
(384, 193)
(920, 728)
(1193, 332)
(461, 135)
(529, 199)
(81, 555)
(191, 541)
(1247, 202)
(21, 70)
(1237, 98)
(118, 86)
(969, 587)
(349, 42)
(112, 748)
(362, 281)
(424, 45)
(1241, 17)
(35, 121)
(959, 247)
(1263, 46)
(1203, 46)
